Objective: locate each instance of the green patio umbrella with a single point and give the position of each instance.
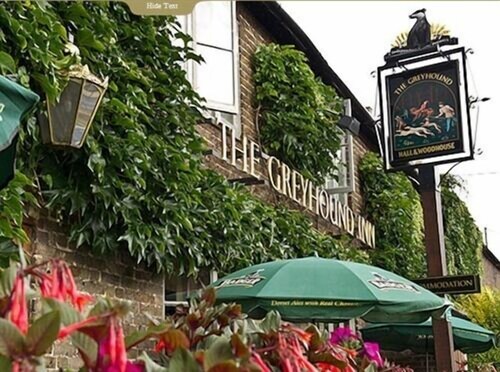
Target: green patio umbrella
(318, 289)
(15, 102)
(468, 337)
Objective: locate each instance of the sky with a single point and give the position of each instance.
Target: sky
(354, 36)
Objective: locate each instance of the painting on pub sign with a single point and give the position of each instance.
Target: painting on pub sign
(425, 112)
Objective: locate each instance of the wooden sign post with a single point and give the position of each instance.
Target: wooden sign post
(425, 116)
(436, 262)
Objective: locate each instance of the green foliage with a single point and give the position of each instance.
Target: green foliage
(484, 309)
(12, 208)
(13, 203)
(463, 239)
(394, 205)
(299, 113)
(248, 231)
(138, 183)
(209, 337)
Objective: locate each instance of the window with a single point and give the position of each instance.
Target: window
(344, 183)
(330, 327)
(213, 28)
(179, 287)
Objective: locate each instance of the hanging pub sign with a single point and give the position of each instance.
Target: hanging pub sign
(425, 110)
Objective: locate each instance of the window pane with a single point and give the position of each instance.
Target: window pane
(214, 78)
(213, 24)
(182, 19)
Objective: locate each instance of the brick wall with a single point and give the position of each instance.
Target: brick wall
(120, 277)
(251, 35)
(356, 198)
(117, 277)
(491, 272)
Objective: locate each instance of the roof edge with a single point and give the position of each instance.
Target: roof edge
(490, 256)
(286, 31)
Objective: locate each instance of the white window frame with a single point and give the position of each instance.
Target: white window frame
(347, 158)
(185, 287)
(212, 106)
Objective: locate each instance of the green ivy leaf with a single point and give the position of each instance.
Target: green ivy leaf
(137, 337)
(218, 352)
(7, 277)
(7, 63)
(12, 341)
(8, 251)
(271, 322)
(43, 332)
(5, 364)
(151, 366)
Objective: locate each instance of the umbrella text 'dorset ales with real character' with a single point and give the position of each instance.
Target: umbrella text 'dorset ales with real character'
(318, 289)
(15, 102)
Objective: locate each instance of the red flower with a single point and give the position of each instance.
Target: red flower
(60, 285)
(171, 340)
(325, 367)
(372, 351)
(291, 349)
(15, 367)
(18, 312)
(342, 334)
(112, 354)
(63, 332)
(257, 360)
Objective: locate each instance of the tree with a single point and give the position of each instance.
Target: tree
(484, 309)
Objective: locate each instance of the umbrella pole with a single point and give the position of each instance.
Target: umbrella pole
(427, 353)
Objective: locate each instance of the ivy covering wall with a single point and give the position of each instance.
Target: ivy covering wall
(298, 113)
(138, 183)
(463, 239)
(394, 205)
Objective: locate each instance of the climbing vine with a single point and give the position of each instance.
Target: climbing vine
(394, 205)
(298, 113)
(138, 183)
(463, 239)
(14, 201)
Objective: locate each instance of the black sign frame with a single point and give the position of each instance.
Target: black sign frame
(474, 288)
(456, 100)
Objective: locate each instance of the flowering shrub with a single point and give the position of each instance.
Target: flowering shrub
(202, 337)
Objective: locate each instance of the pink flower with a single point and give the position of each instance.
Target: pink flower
(372, 351)
(65, 331)
(60, 285)
(112, 354)
(18, 311)
(341, 335)
(257, 360)
(326, 367)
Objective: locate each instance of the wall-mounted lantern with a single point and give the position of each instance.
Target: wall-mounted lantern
(69, 119)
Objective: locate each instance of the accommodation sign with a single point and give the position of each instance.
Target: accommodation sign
(457, 284)
(294, 185)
